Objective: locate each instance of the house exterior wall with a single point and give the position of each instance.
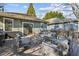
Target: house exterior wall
(58, 26)
(36, 27)
(17, 25)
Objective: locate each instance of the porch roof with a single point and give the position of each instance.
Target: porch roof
(20, 16)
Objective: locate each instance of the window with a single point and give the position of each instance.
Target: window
(8, 25)
(37, 25)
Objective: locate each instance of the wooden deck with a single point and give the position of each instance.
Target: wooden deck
(8, 50)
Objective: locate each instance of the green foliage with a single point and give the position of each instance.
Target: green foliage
(31, 11)
(53, 14)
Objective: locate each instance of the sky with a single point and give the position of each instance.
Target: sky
(40, 8)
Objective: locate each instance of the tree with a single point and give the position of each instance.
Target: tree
(31, 11)
(53, 14)
(75, 9)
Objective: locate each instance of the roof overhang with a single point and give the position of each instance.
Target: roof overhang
(60, 21)
(20, 16)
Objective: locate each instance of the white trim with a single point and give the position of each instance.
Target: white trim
(4, 23)
(27, 23)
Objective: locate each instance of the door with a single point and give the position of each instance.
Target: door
(27, 28)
